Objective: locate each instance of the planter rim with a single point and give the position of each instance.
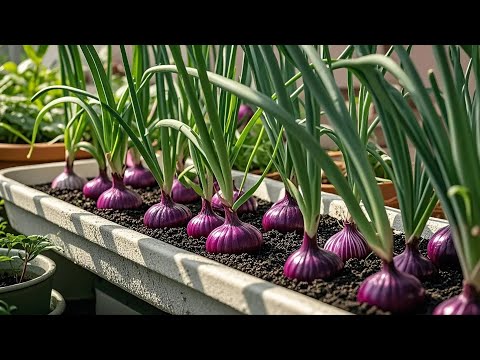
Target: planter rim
(40, 260)
(218, 281)
(58, 303)
(27, 146)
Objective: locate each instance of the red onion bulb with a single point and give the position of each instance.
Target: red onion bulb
(183, 195)
(249, 206)
(310, 262)
(130, 162)
(68, 180)
(284, 216)
(234, 236)
(166, 214)
(97, 186)
(441, 249)
(392, 290)
(205, 222)
(467, 303)
(118, 197)
(412, 262)
(348, 243)
(139, 177)
(245, 113)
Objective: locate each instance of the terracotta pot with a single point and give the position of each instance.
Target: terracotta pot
(274, 175)
(438, 212)
(390, 197)
(16, 154)
(387, 188)
(334, 154)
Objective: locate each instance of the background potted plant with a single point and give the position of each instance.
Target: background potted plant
(18, 83)
(26, 277)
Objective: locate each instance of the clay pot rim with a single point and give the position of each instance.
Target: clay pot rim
(27, 146)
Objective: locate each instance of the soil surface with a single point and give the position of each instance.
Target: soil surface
(268, 262)
(7, 279)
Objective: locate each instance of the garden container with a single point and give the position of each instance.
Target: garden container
(16, 154)
(169, 278)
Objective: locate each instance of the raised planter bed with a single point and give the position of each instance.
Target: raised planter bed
(167, 277)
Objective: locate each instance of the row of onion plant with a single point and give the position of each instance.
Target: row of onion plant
(447, 142)
(285, 215)
(111, 139)
(413, 188)
(71, 73)
(136, 175)
(211, 150)
(389, 289)
(209, 103)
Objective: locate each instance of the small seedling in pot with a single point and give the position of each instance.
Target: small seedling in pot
(32, 245)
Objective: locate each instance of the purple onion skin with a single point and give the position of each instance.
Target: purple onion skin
(392, 290)
(310, 262)
(413, 263)
(467, 303)
(348, 243)
(130, 162)
(284, 216)
(96, 187)
(138, 177)
(183, 195)
(249, 206)
(68, 180)
(118, 197)
(441, 249)
(166, 214)
(234, 236)
(205, 222)
(245, 113)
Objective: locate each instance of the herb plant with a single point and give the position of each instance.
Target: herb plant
(32, 245)
(18, 83)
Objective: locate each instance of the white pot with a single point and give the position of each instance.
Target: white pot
(57, 303)
(172, 279)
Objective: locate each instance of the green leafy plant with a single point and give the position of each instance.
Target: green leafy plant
(446, 140)
(376, 228)
(380, 161)
(112, 141)
(414, 190)
(213, 144)
(32, 245)
(263, 154)
(6, 309)
(75, 123)
(18, 82)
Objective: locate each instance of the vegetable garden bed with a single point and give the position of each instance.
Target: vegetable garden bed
(140, 260)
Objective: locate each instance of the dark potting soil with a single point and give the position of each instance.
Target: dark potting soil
(7, 279)
(268, 262)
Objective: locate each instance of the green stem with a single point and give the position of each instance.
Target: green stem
(24, 269)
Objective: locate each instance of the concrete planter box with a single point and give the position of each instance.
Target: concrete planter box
(171, 279)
